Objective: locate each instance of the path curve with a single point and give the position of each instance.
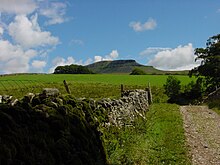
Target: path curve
(202, 129)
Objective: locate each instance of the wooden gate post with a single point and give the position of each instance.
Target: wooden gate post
(122, 90)
(150, 94)
(66, 87)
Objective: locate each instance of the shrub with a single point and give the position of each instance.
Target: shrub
(137, 71)
(194, 90)
(172, 88)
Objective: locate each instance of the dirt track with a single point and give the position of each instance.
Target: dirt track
(202, 127)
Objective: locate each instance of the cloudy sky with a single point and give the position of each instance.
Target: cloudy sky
(38, 35)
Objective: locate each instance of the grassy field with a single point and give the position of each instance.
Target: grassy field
(94, 86)
(114, 79)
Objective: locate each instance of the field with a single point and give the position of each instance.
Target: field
(114, 79)
(95, 85)
(148, 142)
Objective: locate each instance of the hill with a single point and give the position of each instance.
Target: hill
(117, 66)
(126, 67)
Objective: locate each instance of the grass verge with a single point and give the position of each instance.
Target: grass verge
(157, 140)
(165, 135)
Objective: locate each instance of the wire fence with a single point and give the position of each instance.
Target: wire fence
(20, 87)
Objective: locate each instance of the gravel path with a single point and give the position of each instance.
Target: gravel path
(202, 129)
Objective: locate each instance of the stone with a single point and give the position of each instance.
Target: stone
(28, 98)
(50, 92)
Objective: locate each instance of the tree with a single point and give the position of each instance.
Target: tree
(137, 71)
(72, 69)
(172, 88)
(210, 63)
(194, 90)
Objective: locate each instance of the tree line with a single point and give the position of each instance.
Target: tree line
(72, 69)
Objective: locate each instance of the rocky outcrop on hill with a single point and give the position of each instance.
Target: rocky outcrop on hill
(49, 128)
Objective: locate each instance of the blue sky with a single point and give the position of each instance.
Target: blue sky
(38, 35)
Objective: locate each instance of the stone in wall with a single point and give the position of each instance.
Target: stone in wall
(123, 111)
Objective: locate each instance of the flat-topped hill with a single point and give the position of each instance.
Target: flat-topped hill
(117, 66)
(126, 67)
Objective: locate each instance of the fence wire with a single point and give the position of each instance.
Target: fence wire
(19, 87)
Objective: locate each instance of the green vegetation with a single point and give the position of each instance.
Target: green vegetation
(172, 88)
(209, 69)
(191, 93)
(114, 79)
(72, 69)
(137, 71)
(157, 140)
(117, 66)
(165, 135)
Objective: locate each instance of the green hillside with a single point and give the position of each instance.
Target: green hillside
(117, 66)
(126, 67)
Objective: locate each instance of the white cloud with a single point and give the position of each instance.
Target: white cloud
(139, 27)
(28, 33)
(180, 58)
(88, 61)
(55, 12)
(97, 58)
(113, 55)
(59, 61)
(38, 64)
(17, 6)
(21, 37)
(13, 59)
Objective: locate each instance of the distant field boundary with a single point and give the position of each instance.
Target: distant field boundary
(19, 86)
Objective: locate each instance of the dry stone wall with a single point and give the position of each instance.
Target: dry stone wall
(123, 111)
(120, 112)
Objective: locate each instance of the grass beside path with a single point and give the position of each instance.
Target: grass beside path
(165, 135)
(157, 140)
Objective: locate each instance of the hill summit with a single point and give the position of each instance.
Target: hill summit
(116, 66)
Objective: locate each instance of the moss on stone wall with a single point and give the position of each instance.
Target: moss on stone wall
(53, 130)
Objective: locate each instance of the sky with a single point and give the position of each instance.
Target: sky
(36, 36)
